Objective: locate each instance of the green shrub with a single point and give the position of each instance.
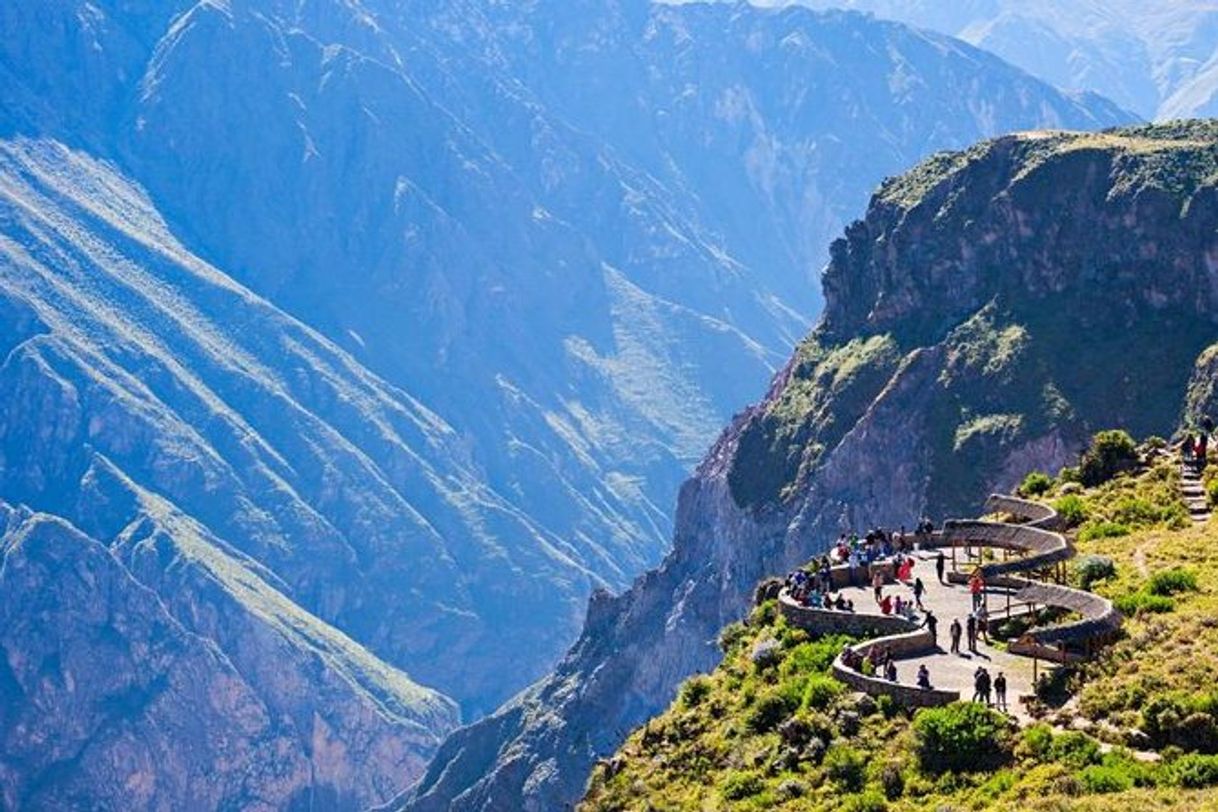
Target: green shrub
(1138, 603)
(1102, 530)
(820, 691)
(1074, 749)
(814, 657)
(961, 737)
(740, 785)
(694, 690)
(886, 705)
(1211, 492)
(1092, 568)
(846, 767)
(1135, 510)
(1193, 771)
(765, 614)
(1189, 722)
(1035, 484)
(1071, 509)
(869, 801)
(1139, 512)
(731, 636)
(1172, 581)
(1111, 452)
(1101, 778)
(1034, 742)
(770, 709)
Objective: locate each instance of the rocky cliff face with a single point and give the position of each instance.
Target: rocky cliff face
(992, 308)
(114, 695)
(580, 232)
(170, 615)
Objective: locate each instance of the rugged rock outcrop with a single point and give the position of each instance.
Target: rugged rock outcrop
(992, 309)
(111, 699)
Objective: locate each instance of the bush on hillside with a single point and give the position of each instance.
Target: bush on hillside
(1035, 484)
(1074, 749)
(1143, 603)
(1211, 492)
(1092, 568)
(820, 691)
(1193, 771)
(731, 636)
(1189, 722)
(1102, 530)
(1172, 581)
(694, 690)
(1111, 453)
(740, 785)
(846, 767)
(961, 737)
(769, 711)
(1071, 509)
(1099, 779)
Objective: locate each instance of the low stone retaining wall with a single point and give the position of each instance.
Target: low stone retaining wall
(1038, 546)
(831, 621)
(907, 693)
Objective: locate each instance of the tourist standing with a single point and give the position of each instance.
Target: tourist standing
(1000, 690)
(931, 624)
(976, 588)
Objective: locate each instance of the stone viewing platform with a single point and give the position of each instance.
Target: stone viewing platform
(1023, 566)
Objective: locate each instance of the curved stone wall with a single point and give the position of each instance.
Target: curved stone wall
(1037, 547)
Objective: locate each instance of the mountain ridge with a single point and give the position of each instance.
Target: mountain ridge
(969, 270)
(581, 292)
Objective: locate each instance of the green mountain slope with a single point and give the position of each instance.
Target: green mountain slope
(778, 732)
(992, 309)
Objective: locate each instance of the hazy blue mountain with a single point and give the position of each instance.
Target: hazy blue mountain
(154, 620)
(1159, 59)
(407, 320)
(361, 340)
(583, 233)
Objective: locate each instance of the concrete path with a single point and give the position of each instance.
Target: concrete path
(955, 671)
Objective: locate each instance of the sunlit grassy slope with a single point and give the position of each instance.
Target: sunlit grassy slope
(1137, 727)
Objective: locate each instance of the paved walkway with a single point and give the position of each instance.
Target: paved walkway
(955, 671)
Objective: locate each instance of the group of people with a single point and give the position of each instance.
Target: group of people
(977, 625)
(991, 692)
(813, 587)
(1195, 448)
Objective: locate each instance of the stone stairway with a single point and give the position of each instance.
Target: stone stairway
(1193, 492)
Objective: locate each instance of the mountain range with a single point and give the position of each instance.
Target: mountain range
(351, 346)
(992, 309)
(1159, 59)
